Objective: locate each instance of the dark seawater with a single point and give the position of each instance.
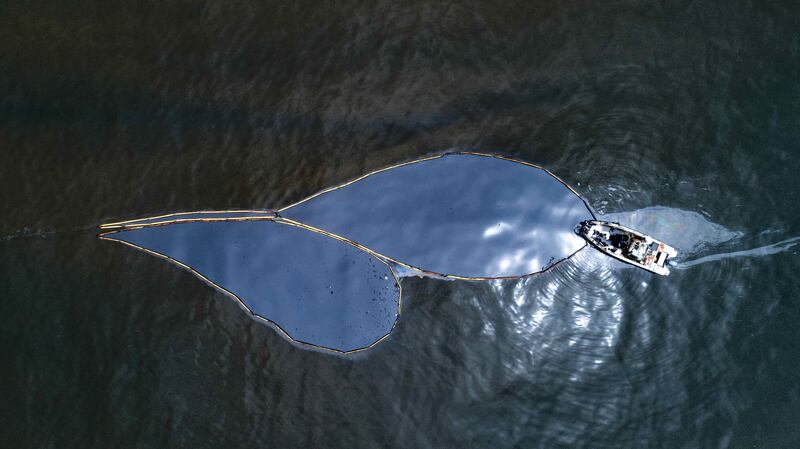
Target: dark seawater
(681, 118)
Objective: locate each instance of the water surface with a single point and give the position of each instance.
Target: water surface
(112, 111)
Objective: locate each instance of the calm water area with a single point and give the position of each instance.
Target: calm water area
(678, 118)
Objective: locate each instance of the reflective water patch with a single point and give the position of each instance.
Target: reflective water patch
(319, 270)
(317, 290)
(463, 215)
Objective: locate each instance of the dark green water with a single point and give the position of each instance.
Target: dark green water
(684, 111)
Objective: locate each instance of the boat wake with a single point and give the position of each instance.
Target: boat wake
(693, 234)
(688, 231)
(775, 248)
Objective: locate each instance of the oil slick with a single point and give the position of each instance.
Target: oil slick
(321, 271)
(466, 216)
(316, 290)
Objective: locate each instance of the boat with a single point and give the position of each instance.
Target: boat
(627, 245)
